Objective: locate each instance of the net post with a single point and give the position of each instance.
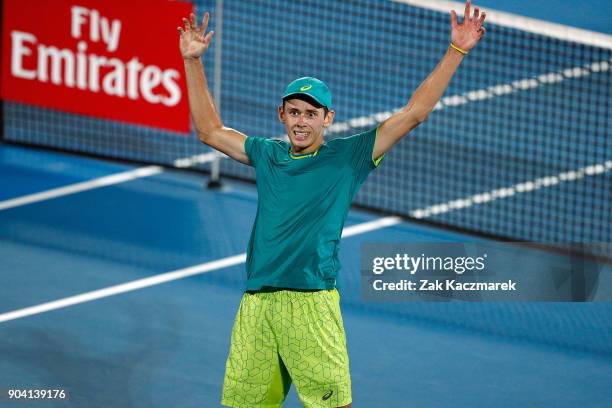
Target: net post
(215, 179)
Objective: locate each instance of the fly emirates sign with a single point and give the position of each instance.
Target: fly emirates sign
(117, 60)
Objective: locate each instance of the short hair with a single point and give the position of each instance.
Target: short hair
(306, 98)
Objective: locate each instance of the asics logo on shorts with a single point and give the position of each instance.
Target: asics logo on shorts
(327, 396)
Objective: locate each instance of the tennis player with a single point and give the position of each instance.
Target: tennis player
(288, 327)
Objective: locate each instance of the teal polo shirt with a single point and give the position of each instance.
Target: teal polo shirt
(302, 206)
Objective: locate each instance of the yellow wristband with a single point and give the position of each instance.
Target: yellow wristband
(453, 46)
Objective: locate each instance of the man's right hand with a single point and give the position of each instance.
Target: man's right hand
(193, 40)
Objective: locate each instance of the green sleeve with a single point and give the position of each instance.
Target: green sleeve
(257, 148)
(362, 148)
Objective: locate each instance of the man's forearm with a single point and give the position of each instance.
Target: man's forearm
(464, 37)
(431, 90)
(420, 105)
(201, 103)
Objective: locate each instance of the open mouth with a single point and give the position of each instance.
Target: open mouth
(300, 135)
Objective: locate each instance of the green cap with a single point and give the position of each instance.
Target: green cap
(312, 87)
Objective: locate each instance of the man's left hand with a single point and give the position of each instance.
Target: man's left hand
(467, 34)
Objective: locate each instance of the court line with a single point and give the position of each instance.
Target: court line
(532, 25)
(79, 187)
(105, 181)
(371, 226)
(170, 276)
(124, 287)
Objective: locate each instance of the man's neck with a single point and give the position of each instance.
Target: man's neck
(307, 150)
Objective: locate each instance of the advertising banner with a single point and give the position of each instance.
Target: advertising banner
(115, 60)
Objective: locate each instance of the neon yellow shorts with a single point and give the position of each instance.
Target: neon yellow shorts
(287, 336)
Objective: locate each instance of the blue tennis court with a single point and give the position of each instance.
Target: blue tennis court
(165, 344)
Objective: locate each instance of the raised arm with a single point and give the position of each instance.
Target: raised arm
(464, 37)
(193, 44)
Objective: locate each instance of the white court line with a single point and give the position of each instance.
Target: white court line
(124, 287)
(83, 186)
(170, 276)
(370, 226)
(104, 181)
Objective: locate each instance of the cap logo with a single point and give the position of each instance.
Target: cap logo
(305, 87)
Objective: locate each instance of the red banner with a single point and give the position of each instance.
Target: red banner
(116, 60)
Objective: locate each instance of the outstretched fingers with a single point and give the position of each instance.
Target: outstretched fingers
(204, 23)
(187, 25)
(193, 22)
(466, 14)
(453, 19)
(209, 37)
(482, 19)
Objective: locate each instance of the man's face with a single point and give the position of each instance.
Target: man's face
(304, 124)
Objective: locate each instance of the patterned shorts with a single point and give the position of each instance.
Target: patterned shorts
(287, 336)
